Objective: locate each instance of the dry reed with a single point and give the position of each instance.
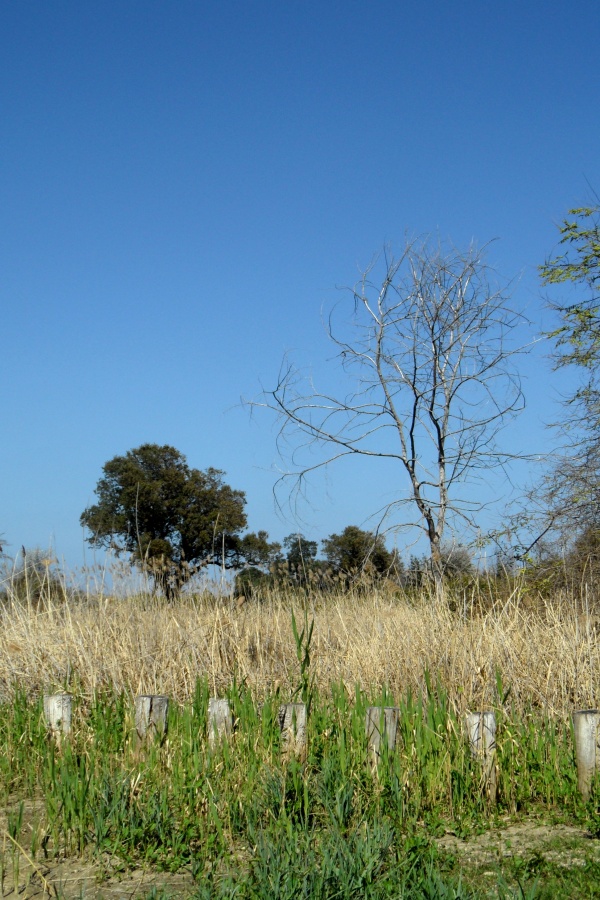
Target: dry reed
(548, 656)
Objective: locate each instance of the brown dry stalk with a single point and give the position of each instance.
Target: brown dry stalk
(548, 655)
(49, 889)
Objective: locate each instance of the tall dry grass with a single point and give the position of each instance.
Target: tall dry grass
(548, 655)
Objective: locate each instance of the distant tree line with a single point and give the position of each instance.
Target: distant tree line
(354, 558)
(348, 557)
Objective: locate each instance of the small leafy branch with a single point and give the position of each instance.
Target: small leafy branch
(303, 640)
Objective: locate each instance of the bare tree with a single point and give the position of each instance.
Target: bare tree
(429, 358)
(560, 514)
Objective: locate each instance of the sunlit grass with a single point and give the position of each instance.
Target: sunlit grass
(240, 807)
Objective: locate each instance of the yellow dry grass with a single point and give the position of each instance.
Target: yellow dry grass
(549, 656)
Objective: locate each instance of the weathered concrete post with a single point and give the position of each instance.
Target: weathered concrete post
(151, 711)
(57, 713)
(586, 724)
(381, 725)
(220, 720)
(481, 727)
(292, 724)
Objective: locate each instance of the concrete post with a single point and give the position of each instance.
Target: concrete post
(586, 724)
(481, 727)
(151, 711)
(57, 713)
(220, 720)
(292, 723)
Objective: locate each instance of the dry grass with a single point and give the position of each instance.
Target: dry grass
(549, 656)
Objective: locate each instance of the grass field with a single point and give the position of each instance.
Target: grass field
(100, 816)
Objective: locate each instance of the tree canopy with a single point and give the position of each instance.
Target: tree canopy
(356, 551)
(301, 563)
(172, 519)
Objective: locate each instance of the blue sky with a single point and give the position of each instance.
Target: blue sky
(183, 186)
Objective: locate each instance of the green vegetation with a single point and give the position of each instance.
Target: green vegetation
(357, 551)
(578, 336)
(170, 519)
(246, 823)
(354, 556)
(565, 507)
(246, 818)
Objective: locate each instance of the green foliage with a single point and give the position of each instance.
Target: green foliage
(251, 582)
(259, 555)
(299, 550)
(250, 824)
(303, 639)
(301, 558)
(172, 519)
(578, 337)
(356, 551)
(257, 551)
(570, 492)
(299, 568)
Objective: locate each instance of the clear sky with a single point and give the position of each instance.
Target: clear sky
(183, 186)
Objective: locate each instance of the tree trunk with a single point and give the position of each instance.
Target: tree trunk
(437, 563)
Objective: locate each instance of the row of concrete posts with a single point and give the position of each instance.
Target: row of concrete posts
(381, 724)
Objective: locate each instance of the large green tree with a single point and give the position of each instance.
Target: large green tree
(171, 519)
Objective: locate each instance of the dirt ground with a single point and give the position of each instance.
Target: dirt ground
(75, 878)
(563, 845)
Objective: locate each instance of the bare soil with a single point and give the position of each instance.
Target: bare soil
(562, 845)
(69, 877)
(73, 879)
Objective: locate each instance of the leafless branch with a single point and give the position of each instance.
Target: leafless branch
(428, 352)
